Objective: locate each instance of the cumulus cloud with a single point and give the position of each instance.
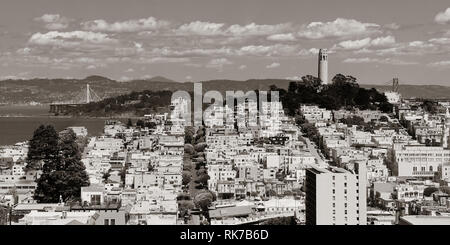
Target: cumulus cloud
(197, 52)
(24, 51)
(218, 63)
(281, 37)
(294, 78)
(201, 28)
(255, 29)
(383, 41)
(242, 67)
(338, 28)
(70, 39)
(367, 42)
(440, 64)
(273, 65)
(442, 40)
(387, 61)
(443, 17)
(270, 50)
(420, 44)
(156, 60)
(392, 26)
(134, 25)
(220, 29)
(314, 50)
(54, 21)
(135, 49)
(356, 44)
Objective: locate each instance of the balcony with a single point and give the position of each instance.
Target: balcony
(423, 173)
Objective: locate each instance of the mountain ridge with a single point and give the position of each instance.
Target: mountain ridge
(44, 90)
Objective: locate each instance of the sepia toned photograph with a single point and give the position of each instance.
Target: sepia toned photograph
(250, 113)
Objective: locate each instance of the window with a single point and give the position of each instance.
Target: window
(113, 221)
(95, 199)
(106, 222)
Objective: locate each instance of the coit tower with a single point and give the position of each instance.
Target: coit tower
(323, 66)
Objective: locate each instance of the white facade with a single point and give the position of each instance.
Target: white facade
(335, 196)
(420, 161)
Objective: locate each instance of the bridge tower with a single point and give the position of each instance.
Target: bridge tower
(395, 85)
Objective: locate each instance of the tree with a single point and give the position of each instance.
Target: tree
(203, 200)
(64, 175)
(189, 132)
(271, 193)
(140, 123)
(430, 106)
(201, 171)
(189, 149)
(183, 196)
(43, 147)
(106, 176)
(384, 119)
(129, 123)
(200, 147)
(343, 92)
(184, 206)
(354, 120)
(280, 221)
(186, 177)
(429, 190)
(203, 179)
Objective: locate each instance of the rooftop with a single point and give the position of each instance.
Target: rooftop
(426, 220)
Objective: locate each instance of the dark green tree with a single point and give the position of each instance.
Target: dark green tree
(429, 191)
(129, 123)
(64, 175)
(186, 177)
(43, 147)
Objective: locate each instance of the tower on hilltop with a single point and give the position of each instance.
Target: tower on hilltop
(323, 66)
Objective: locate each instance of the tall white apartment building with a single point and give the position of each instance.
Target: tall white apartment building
(336, 196)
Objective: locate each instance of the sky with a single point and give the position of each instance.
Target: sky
(196, 40)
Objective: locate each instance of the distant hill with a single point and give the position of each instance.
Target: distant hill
(417, 91)
(49, 90)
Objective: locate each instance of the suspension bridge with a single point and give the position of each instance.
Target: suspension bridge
(394, 83)
(84, 97)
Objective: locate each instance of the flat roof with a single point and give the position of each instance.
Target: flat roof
(329, 169)
(426, 220)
